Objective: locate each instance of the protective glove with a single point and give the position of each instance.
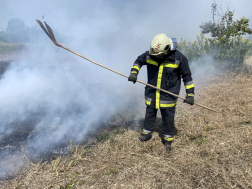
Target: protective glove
(132, 77)
(189, 99)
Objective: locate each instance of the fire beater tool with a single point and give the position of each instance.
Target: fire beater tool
(49, 32)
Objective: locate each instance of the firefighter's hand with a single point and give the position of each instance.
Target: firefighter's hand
(132, 77)
(189, 99)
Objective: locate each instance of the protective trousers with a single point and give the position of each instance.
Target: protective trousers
(168, 127)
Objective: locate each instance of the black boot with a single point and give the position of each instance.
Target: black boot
(145, 136)
(167, 143)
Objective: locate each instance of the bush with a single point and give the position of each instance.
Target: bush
(232, 53)
(194, 51)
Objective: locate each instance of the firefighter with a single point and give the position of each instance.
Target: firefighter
(165, 68)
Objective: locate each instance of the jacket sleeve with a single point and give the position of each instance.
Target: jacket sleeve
(140, 61)
(186, 74)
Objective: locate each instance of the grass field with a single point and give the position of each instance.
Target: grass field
(211, 150)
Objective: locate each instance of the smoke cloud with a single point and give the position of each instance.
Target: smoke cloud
(64, 96)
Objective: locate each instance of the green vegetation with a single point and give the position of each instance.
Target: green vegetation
(7, 48)
(69, 185)
(207, 128)
(226, 44)
(199, 140)
(111, 172)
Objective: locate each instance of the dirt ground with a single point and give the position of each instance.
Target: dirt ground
(211, 150)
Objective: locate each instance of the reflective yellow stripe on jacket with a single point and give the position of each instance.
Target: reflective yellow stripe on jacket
(160, 72)
(163, 103)
(152, 62)
(168, 105)
(136, 67)
(170, 65)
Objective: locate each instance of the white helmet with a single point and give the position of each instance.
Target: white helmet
(160, 44)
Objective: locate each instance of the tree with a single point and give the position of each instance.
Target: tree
(225, 27)
(227, 35)
(15, 25)
(16, 32)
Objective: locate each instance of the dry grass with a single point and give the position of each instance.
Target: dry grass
(211, 150)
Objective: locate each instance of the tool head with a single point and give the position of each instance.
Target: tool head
(48, 31)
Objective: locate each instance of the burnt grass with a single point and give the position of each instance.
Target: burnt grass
(3, 66)
(211, 150)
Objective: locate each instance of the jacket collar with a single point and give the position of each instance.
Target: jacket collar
(170, 57)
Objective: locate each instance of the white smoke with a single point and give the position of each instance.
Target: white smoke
(60, 96)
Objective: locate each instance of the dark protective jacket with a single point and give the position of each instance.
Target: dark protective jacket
(165, 74)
